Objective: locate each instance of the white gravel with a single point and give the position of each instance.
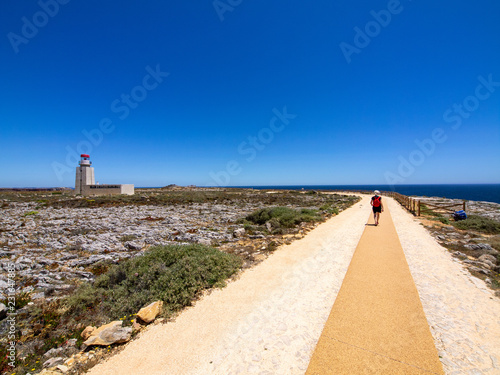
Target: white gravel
(464, 315)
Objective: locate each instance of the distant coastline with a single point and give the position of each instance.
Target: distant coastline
(472, 192)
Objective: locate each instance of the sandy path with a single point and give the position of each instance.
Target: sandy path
(377, 324)
(266, 322)
(462, 312)
(269, 320)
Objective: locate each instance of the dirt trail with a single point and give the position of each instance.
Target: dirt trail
(377, 324)
(268, 322)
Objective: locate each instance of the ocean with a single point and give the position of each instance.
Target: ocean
(472, 192)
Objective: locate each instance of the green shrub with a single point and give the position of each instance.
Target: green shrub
(444, 220)
(479, 224)
(175, 274)
(30, 213)
(495, 242)
(327, 207)
(285, 216)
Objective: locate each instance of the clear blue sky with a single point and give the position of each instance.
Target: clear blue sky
(357, 85)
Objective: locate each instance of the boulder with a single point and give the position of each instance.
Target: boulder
(150, 312)
(3, 284)
(204, 241)
(112, 333)
(87, 332)
(479, 246)
(3, 311)
(54, 352)
(64, 369)
(488, 258)
(134, 246)
(71, 343)
(240, 232)
(53, 362)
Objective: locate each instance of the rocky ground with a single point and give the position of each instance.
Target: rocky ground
(486, 209)
(478, 251)
(55, 241)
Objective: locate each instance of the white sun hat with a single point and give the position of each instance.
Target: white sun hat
(377, 192)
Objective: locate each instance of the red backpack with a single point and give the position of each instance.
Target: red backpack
(376, 201)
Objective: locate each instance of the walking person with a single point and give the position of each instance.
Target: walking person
(377, 206)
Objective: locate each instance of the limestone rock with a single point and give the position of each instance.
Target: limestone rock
(112, 333)
(240, 232)
(479, 246)
(71, 343)
(3, 311)
(53, 362)
(63, 369)
(204, 241)
(131, 245)
(136, 326)
(87, 332)
(150, 312)
(54, 352)
(488, 258)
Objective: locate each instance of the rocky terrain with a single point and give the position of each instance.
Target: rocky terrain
(486, 209)
(478, 251)
(55, 241)
(52, 246)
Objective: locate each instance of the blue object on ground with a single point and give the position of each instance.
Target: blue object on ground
(459, 215)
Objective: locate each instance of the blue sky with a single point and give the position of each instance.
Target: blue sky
(239, 92)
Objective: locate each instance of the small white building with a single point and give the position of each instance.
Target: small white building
(85, 181)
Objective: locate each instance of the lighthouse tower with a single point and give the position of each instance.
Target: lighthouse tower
(84, 174)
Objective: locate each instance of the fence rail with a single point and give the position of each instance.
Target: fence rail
(415, 205)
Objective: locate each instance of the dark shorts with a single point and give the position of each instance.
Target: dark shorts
(377, 209)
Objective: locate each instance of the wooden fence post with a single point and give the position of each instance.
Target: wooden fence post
(418, 214)
(464, 206)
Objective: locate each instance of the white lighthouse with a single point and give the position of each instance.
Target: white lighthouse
(84, 174)
(85, 181)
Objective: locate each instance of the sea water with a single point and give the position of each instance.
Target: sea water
(473, 192)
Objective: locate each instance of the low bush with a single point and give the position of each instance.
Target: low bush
(495, 242)
(479, 224)
(327, 207)
(175, 274)
(285, 216)
(444, 220)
